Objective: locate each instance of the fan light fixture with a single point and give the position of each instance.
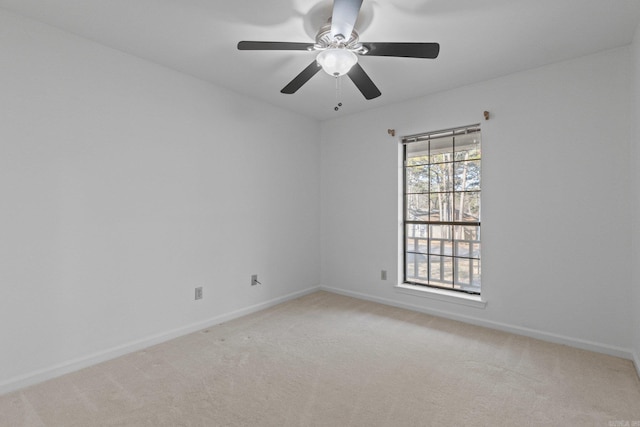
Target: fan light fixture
(338, 46)
(337, 61)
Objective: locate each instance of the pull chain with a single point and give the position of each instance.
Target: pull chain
(338, 87)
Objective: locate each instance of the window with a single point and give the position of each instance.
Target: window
(442, 209)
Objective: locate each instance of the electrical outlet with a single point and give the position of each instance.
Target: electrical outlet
(254, 280)
(199, 292)
(383, 274)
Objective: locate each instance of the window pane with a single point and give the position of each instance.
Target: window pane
(468, 146)
(417, 268)
(467, 241)
(410, 265)
(417, 153)
(476, 274)
(417, 179)
(440, 239)
(417, 230)
(463, 271)
(417, 238)
(441, 208)
(441, 177)
(441, 271)
(468, 274)
(467, 206)
(442, 150)
(417, 207)
(441, 231)
(467, 175)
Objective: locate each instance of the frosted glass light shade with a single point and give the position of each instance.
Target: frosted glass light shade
(337, 62)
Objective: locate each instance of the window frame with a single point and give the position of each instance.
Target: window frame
(431, 136)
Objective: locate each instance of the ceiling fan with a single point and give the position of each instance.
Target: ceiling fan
(339, 46)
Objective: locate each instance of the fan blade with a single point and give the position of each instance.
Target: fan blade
(345, 14)
(405, 50)
(302, 78)
(363, 82)
(247, 45)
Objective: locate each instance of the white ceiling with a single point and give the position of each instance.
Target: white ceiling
(479, 40)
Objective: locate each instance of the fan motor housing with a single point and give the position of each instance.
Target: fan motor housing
(324, 40)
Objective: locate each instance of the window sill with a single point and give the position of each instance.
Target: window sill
(442, 295)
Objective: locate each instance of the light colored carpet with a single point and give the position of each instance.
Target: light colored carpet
(329, 360)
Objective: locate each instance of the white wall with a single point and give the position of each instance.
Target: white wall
(124, 185)
(556, 200)
(635, 159)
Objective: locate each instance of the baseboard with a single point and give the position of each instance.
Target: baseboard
(102, 356)
(636, 362)
(518, 330)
